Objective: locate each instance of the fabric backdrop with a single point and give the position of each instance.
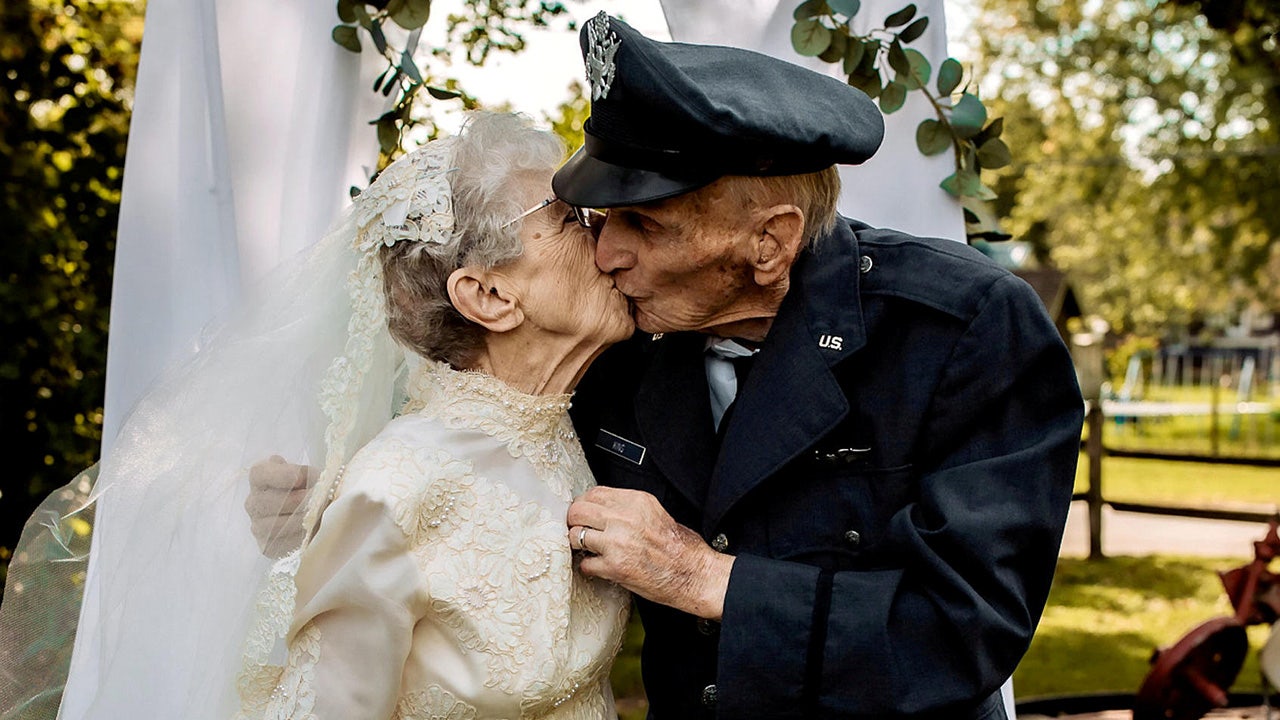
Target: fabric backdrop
(249, 126)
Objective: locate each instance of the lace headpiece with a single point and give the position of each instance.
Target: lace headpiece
(410, 201)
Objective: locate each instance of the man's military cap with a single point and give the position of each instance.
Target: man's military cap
(667, 118)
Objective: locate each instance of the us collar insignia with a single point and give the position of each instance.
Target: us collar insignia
(602, 44)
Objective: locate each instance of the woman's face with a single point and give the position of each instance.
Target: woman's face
(562, 290)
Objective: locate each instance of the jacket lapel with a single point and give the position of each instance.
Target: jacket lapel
(673, 413)
(791, 399)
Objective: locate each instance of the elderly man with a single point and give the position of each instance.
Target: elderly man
(866, 523)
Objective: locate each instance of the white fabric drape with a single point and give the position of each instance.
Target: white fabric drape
(898, 188)
(248, 128)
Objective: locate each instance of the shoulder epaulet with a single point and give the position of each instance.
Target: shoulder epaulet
(943, 274)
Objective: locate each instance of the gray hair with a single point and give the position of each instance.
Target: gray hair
(815, 193)
(493, 156)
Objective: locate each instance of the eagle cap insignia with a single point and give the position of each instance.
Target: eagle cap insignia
(602, 45)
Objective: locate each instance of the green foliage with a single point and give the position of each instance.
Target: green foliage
(823, 29)
(67, 68)
(1149, 134)
(570, 117)
(483, 26)
(628, 686)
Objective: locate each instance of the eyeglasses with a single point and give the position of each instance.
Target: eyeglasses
(590, 218)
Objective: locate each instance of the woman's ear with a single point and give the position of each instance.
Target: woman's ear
(484, 298)
(778, 239)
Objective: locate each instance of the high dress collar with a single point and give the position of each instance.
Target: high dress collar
(536, 427)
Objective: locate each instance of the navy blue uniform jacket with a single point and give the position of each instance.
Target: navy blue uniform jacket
(893, 482)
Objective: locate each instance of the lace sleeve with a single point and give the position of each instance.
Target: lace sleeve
(359, 591)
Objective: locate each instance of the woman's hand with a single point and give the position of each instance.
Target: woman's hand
(631, 540)
(277, 496)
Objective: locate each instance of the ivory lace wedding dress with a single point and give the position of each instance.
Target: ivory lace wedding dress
(440, 583)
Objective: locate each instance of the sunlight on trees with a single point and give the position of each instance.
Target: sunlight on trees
(1149, 143)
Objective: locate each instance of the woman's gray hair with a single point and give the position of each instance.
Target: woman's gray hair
(494, 155)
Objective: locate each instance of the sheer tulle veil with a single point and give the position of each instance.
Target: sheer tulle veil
(305, 369)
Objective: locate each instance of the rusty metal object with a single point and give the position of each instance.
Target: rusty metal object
(1259, 604)
(1191, 677)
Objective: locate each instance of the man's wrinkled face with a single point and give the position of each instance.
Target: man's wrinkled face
(681, 261)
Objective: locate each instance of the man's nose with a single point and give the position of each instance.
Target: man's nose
(613, 251)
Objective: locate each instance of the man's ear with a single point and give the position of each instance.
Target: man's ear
(779, 235)
(484, 298)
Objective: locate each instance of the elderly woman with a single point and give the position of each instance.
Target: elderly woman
(433, 578)
(439, 583)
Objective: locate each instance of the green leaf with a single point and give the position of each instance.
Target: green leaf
(962, 183)
(377, 84)
(949, 75)
(346, 11)
(898, 58)
(442, 93)
(914, 30)
(409, 68)
(853, 55)
(362, 15)
(835, 51)
(346, 36)
(868, 83)
(379, 40)
(809, 9)
(810, 37)
(902, 17)
(919, 70)
(894, 95)
(847, 8)
(994, 154)
(992, 130)
(413, 15)
(968, 115)
(388, 135)
(932, 137)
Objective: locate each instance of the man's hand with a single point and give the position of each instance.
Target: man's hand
(632, 541)
(277, 497)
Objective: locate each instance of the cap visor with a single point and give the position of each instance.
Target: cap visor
(586, 181)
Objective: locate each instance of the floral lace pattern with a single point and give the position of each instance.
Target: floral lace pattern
(534, 427)
(434, 703)
(284, 693)
(410, 200)
(499, 579)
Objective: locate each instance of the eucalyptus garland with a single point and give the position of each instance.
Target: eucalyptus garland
(880, 64)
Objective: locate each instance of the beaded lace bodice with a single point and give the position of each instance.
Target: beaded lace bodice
(442, 571)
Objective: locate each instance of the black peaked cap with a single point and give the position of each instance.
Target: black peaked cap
(667, 118)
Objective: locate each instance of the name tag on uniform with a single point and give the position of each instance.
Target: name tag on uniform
(620, 446)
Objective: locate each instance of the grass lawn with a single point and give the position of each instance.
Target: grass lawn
(1252, 435)
(1105, 617)
(1184, 483)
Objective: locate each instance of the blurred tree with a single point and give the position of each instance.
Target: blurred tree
(1151, 135)
(570, 116)
(67, 70)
